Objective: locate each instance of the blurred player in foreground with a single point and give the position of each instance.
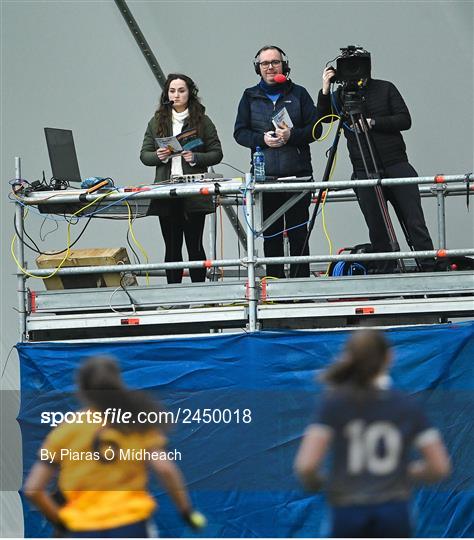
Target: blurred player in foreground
(104, 495)
(371, 430)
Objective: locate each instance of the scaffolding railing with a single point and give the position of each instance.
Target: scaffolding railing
(246, 190)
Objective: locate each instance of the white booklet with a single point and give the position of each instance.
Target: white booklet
(171, 143)
(186, 140)
(282, 119)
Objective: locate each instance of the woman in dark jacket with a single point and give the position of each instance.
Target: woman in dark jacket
(180, 110)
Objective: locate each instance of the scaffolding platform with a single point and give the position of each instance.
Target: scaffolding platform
(417, 298)
(252, 303)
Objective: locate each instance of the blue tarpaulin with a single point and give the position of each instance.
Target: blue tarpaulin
(239, 470)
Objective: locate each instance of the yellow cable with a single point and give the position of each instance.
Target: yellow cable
(68, 241)
(324, 214)
(330, 127)
(137, 243)
(324, 226)
(266, 278)
(325, 193)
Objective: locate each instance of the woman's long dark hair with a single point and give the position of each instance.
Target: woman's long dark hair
(101, 387)
(364, 357)
(195, 107)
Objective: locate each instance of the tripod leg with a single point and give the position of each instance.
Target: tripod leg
(359, 121)
(406, 234)
(327, 173)
(400, 218)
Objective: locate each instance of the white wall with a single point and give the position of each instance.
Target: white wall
(73, 64)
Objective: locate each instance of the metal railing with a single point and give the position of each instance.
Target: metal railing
(438, 186)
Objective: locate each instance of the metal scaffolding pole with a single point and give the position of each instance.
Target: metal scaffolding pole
(440, 190)
(252, 286)
(20, 256)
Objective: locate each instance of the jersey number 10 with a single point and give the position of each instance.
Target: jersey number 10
(373, 448)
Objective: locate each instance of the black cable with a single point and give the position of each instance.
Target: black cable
(134, 217)
(231, 166)
(37, 250)
(125, 290)
(43, 238)
(137, 258)
(27, 235)
(118, 218)
(58, 185)
(6, 361)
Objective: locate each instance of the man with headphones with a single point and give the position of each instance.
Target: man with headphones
(286, 149)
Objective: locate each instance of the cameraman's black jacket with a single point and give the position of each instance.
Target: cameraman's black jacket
(254, 117)
(385, 105)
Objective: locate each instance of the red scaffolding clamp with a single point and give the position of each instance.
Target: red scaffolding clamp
(263, 289)
(32, 299)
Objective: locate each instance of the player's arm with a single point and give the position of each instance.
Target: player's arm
(435, 464)
(35, 489)
(173, 481)
(313, 448)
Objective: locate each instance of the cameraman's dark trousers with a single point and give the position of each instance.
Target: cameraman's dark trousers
(407, 204)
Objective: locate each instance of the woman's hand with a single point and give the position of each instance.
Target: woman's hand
(163, 153)
(188, 156)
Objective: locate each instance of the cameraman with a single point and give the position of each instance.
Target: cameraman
(387, 115)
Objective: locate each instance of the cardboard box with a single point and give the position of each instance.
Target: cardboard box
(86, 257)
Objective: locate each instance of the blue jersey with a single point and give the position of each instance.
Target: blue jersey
(372, 437)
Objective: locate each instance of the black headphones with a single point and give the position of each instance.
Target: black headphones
(284, 60)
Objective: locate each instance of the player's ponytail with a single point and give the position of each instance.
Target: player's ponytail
(101, 387)
(364, 358)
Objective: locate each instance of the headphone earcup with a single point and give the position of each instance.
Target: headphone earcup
(285, 65)
(256, 67)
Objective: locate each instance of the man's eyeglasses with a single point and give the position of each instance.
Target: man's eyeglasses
(274, 63)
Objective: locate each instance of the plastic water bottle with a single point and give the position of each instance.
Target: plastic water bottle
(259, 165)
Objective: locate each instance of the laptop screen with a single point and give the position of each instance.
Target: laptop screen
(62, 154)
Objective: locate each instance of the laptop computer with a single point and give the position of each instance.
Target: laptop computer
(62, 155)
(65, 168)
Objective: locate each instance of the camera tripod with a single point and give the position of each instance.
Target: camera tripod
(353, 113)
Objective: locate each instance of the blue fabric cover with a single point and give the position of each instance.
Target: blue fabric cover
(240, 475)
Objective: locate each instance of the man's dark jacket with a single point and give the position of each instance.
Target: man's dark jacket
(254, 118)
(384, 104)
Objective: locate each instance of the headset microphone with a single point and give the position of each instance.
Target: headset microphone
(168, 102)
(280, 78)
